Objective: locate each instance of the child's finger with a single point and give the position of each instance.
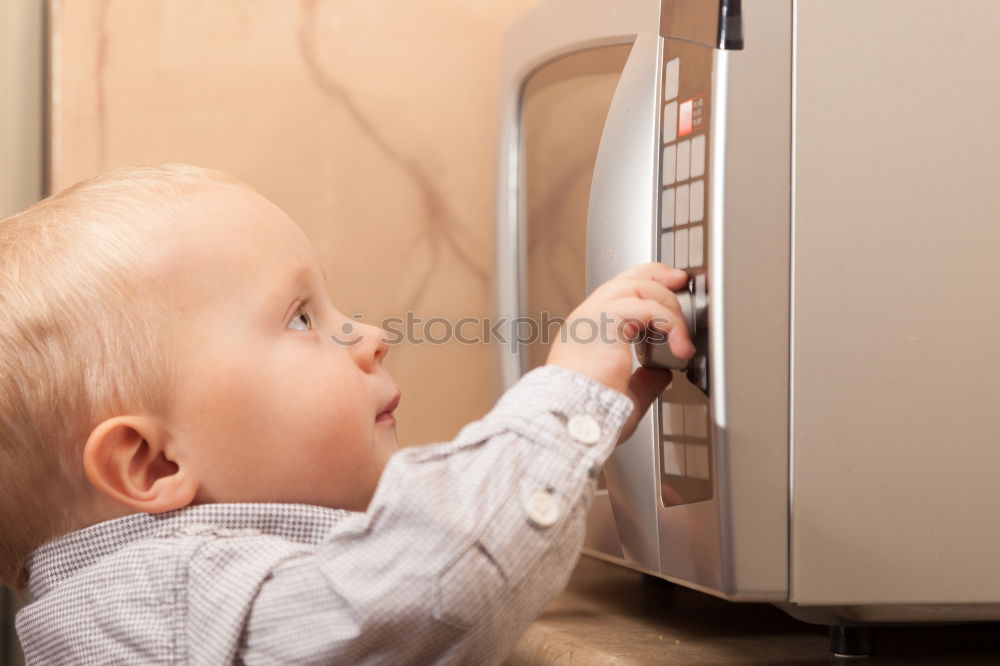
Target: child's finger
(649, 289)
(672, 278)
(644, 286)
(653, 314)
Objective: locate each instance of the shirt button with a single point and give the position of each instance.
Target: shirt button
(542, 508)
(584, 429)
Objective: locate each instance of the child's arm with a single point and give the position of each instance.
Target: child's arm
(465, 542)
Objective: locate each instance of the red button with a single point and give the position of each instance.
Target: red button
(684, 120)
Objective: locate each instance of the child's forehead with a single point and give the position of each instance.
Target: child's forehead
(227, 230)
(229, 213)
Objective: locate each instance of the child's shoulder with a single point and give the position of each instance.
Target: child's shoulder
(187, 588)
(193, 546)
(200, 555)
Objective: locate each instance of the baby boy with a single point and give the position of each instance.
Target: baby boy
(198, 456)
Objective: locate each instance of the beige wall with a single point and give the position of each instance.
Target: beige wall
(22, 97)
(371, 122)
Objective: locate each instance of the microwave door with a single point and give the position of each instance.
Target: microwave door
(663, 476)
(695, 111)
(628, 533)
(553, 30)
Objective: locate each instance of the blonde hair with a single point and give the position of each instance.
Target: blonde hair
(81, 331)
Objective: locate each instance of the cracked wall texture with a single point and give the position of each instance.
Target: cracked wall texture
(372, 123)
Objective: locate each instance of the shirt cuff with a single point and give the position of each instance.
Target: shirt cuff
(553, 404)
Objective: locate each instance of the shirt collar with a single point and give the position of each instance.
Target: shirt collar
(60, 558)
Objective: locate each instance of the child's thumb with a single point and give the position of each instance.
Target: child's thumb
(643, 387)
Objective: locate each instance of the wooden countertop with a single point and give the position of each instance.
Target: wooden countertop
(612, 615)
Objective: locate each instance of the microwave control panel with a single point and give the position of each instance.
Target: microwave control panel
(684, 423)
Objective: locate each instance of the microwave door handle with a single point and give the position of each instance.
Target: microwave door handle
(621, 221)
(621, 228)
(624, 192)
(622, 218)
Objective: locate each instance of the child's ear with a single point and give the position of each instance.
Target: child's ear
(124, 458)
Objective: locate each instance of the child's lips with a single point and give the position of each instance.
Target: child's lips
(386, 414)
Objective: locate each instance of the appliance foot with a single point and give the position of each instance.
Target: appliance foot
(851, 641)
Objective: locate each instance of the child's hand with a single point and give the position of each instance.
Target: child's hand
(597, 336)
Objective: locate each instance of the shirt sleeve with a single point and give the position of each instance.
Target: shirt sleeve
(462, 546)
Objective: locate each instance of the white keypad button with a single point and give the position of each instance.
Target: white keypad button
(681, 249)
(697, 207)
(667, 247)
(669, 122)
(669, 164)
(696, 420)
(673, 458)
(682, 206)
(696, 248)
(672, 80)
(698, 156)
(584, 428)
(671, 418)
(697, 461)
(683, 160)
(542, 509)
(667, 208)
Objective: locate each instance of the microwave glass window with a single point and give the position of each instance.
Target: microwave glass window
(563, 108)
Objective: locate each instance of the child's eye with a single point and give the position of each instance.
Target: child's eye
(301, 321)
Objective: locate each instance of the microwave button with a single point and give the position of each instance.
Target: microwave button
(667, 248)
(697, 201)
(681, 248)
(673, 458)
(669, 164)
(584, 429)
(698, 156)
(696, 255)
(667, 212)
(682, 206)
(542, 509)
(669, 122)
(671, 418)
(683, 160)
(696, 420)
(697, 461)
(672, 83)
(685, 123)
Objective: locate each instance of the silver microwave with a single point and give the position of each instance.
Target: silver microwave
(828, 173)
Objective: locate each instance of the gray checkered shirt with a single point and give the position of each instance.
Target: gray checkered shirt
(462, 545)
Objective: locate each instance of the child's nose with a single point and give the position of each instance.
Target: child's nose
(371, 348)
